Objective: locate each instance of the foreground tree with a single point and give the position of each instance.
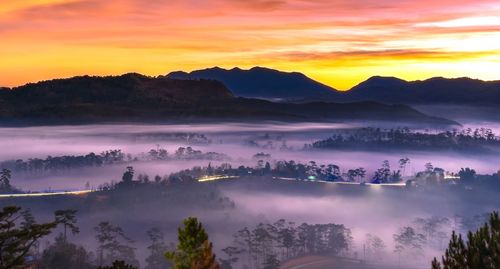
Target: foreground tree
(207, 258)
(68, 219)
(156, 258)
(194, 250)
(482, 249)
(114, 245)
(17, 240)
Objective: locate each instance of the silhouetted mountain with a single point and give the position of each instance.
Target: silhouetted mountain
(107, 97)
(128, 88)
(436, 90)
(267, 83)
(134, 97)
(261, 82)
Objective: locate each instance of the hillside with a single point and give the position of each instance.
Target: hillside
(272, 84)
(122, 96)
(260, 82)
(436, 90)
(134, 97)
(128, 88)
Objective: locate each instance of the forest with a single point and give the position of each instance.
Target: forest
(266, 246)
(265, 205)
(109, 157)
(376, 138)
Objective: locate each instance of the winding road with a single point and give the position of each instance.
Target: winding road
(37, 194)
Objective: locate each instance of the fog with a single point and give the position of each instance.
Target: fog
(231, 139)
(463, 113)
(378, 210)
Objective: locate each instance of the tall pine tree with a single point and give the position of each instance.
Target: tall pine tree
(207, 258)
(194, 251)
(481, 251)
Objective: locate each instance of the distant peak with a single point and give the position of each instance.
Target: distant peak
(133, 74)
(177, 73)
(261, 68)
(215, 68)
(452, 79)
(384, 78)
(262, 82)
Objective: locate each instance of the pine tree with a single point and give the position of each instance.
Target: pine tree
(156, 260)
(206, 259)
(192, 248)
(68, 219)
(16, 240)
(482, 250)
(114, 245)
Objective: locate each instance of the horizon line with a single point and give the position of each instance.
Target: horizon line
(242, 69)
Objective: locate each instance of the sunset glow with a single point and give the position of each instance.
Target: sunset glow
(337, 42)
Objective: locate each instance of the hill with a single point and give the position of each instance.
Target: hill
(436, 90)
(134, 97)
(271, 84)
(109, 97)
(260, 82)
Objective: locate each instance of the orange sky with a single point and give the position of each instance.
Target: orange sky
(338, 42)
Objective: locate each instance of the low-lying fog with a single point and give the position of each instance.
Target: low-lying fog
(377, 210)
(232, 139)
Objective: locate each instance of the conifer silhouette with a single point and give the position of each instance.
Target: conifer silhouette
(481, 251)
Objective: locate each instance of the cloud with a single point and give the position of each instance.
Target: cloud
(260, 5)
(377, 55)
(237, 32)
(484, 21)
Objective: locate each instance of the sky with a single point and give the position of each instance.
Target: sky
(337, 42)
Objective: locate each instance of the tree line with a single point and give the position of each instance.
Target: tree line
(264, 246)
(268, 244)
(109, 157)
(429, 176)
(20, 237)
(377, 138)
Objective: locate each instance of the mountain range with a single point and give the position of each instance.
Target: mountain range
(260, 82)
(437, 90)
(272, 84)
(135, 97)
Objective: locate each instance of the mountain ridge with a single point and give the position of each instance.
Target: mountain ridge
(439, 90)
(386, 89)
(135, 97)
(261, 82)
